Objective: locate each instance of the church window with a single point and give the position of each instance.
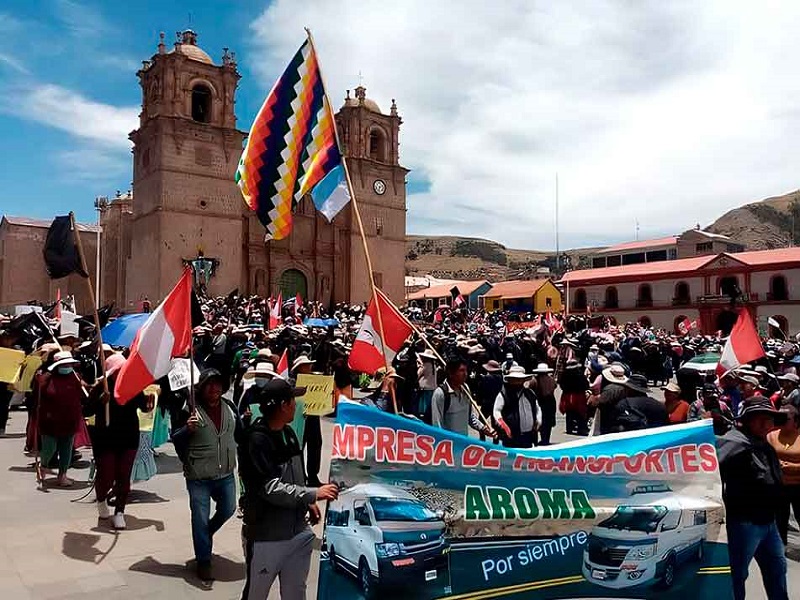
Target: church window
(377, 146)
(379, 225)
(201, 103)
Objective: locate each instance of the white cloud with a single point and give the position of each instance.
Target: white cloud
(12, 63)
(669, 113)
(102, 124)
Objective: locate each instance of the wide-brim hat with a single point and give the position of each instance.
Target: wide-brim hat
(428, 354)
(759, 405)
(615, 374)
(789, 377)
(114, 363)
(517, 373)
(672, 387)
(380, 376)
(542, 369)
(572, 364)
(637, 383)
(492, 367)
(301, 360)
(262, 369)
(63, 359)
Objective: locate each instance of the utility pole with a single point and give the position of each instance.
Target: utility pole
(558, 255)
(100, 204)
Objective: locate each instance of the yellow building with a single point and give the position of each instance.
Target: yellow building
(538, 295)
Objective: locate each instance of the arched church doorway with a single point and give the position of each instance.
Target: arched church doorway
(293, 282)
(726, 319)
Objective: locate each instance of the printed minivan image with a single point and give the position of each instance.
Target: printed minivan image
(646, 540)
(386, 538)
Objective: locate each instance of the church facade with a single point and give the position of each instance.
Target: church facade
(185, 206)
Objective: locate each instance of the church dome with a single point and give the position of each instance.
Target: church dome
(189, 48)
(361, 100)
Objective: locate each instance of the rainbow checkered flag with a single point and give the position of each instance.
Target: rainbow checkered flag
(291, 148)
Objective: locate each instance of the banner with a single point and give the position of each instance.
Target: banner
(181, 373)
(424, 513)
(514, 325)
(10, 362)
(318, 398)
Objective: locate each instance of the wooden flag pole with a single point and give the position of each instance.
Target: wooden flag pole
(424, 338)
(357, 213)
(100, 357)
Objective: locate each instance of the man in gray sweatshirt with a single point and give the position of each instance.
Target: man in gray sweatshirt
(278, 506)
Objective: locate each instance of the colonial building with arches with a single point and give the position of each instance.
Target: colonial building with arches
(185, 203)
(702, 289)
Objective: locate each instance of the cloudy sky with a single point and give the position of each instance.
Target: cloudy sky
(666, 113)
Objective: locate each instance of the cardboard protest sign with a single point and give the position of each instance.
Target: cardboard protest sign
(69, 323)
(27, 370)
(318, 398)
(180, 374)
(10, 362)
(439, 515)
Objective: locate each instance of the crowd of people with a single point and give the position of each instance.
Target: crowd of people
(503, 375)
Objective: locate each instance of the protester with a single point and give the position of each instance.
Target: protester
(638, 410)
(613, 392)
(710, 406)
(426, 376)
(677, 408)
(789, 388)
(114, 443)
(312, 436)
(545, 387)
(751, 490)
(786, 443)
(278, 506)
(208, 449)
(383, 389)
(516, 411)
(60, 412)
(489, 385)
(574, 388)
(451, 408)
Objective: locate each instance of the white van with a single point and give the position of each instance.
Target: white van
(646, 540)
(384, 536)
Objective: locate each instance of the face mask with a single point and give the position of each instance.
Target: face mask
(64, 370)
(261, 382)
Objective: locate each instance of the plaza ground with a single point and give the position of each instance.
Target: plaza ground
(53, 546)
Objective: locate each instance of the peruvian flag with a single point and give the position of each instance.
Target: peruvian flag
(553, 323)
(369, 353)
(165, 335)
(743, 345)
(283, 366)
(298, 304)
(459, 301)
(275, 312)
(686, 326)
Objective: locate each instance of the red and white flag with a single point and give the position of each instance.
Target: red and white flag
(298, 304)
(686, 326)
(459, 301)
(369, 352)
(553, 323)
(283, 366)
(743, 345)
(275, 312)
(164, 336)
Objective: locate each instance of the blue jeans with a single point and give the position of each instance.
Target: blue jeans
(762, 542)
(201, 493)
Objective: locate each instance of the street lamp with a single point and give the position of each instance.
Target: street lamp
(100, 204)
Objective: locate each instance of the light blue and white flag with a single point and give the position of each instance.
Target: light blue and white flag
(331, 195)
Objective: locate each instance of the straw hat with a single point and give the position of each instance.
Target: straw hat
(542, 369)
(615, 374)
(63, 359)
(517, 373)
(301, 360)
(114, 363)
(492, 367)
(262, 369)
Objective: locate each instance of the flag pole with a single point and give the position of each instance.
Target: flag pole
(357, 213)
(100, 357)
(424, 338)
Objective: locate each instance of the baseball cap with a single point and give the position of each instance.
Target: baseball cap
(278, 390)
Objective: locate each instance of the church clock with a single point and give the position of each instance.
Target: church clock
(379, 186)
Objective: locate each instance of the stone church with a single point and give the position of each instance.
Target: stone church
(185, 205)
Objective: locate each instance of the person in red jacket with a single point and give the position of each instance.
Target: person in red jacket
(60, 412)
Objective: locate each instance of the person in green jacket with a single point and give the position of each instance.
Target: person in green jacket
(207, 447)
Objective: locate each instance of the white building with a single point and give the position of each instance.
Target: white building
(700, 288)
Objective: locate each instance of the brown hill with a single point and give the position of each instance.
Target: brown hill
(452, 257)
(770, 223)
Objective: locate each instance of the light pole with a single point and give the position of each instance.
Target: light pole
(100, 204)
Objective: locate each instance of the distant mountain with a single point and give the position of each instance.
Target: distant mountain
(452, 257)
(770, 223)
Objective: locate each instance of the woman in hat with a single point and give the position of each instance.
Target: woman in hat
(60, 412)
(544, 384)
(115, 443)
(786, 442)
(574, 386)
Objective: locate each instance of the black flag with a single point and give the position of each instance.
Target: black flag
(198, 318)
(61, 251)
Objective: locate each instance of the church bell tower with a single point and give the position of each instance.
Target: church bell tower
(185, 151)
